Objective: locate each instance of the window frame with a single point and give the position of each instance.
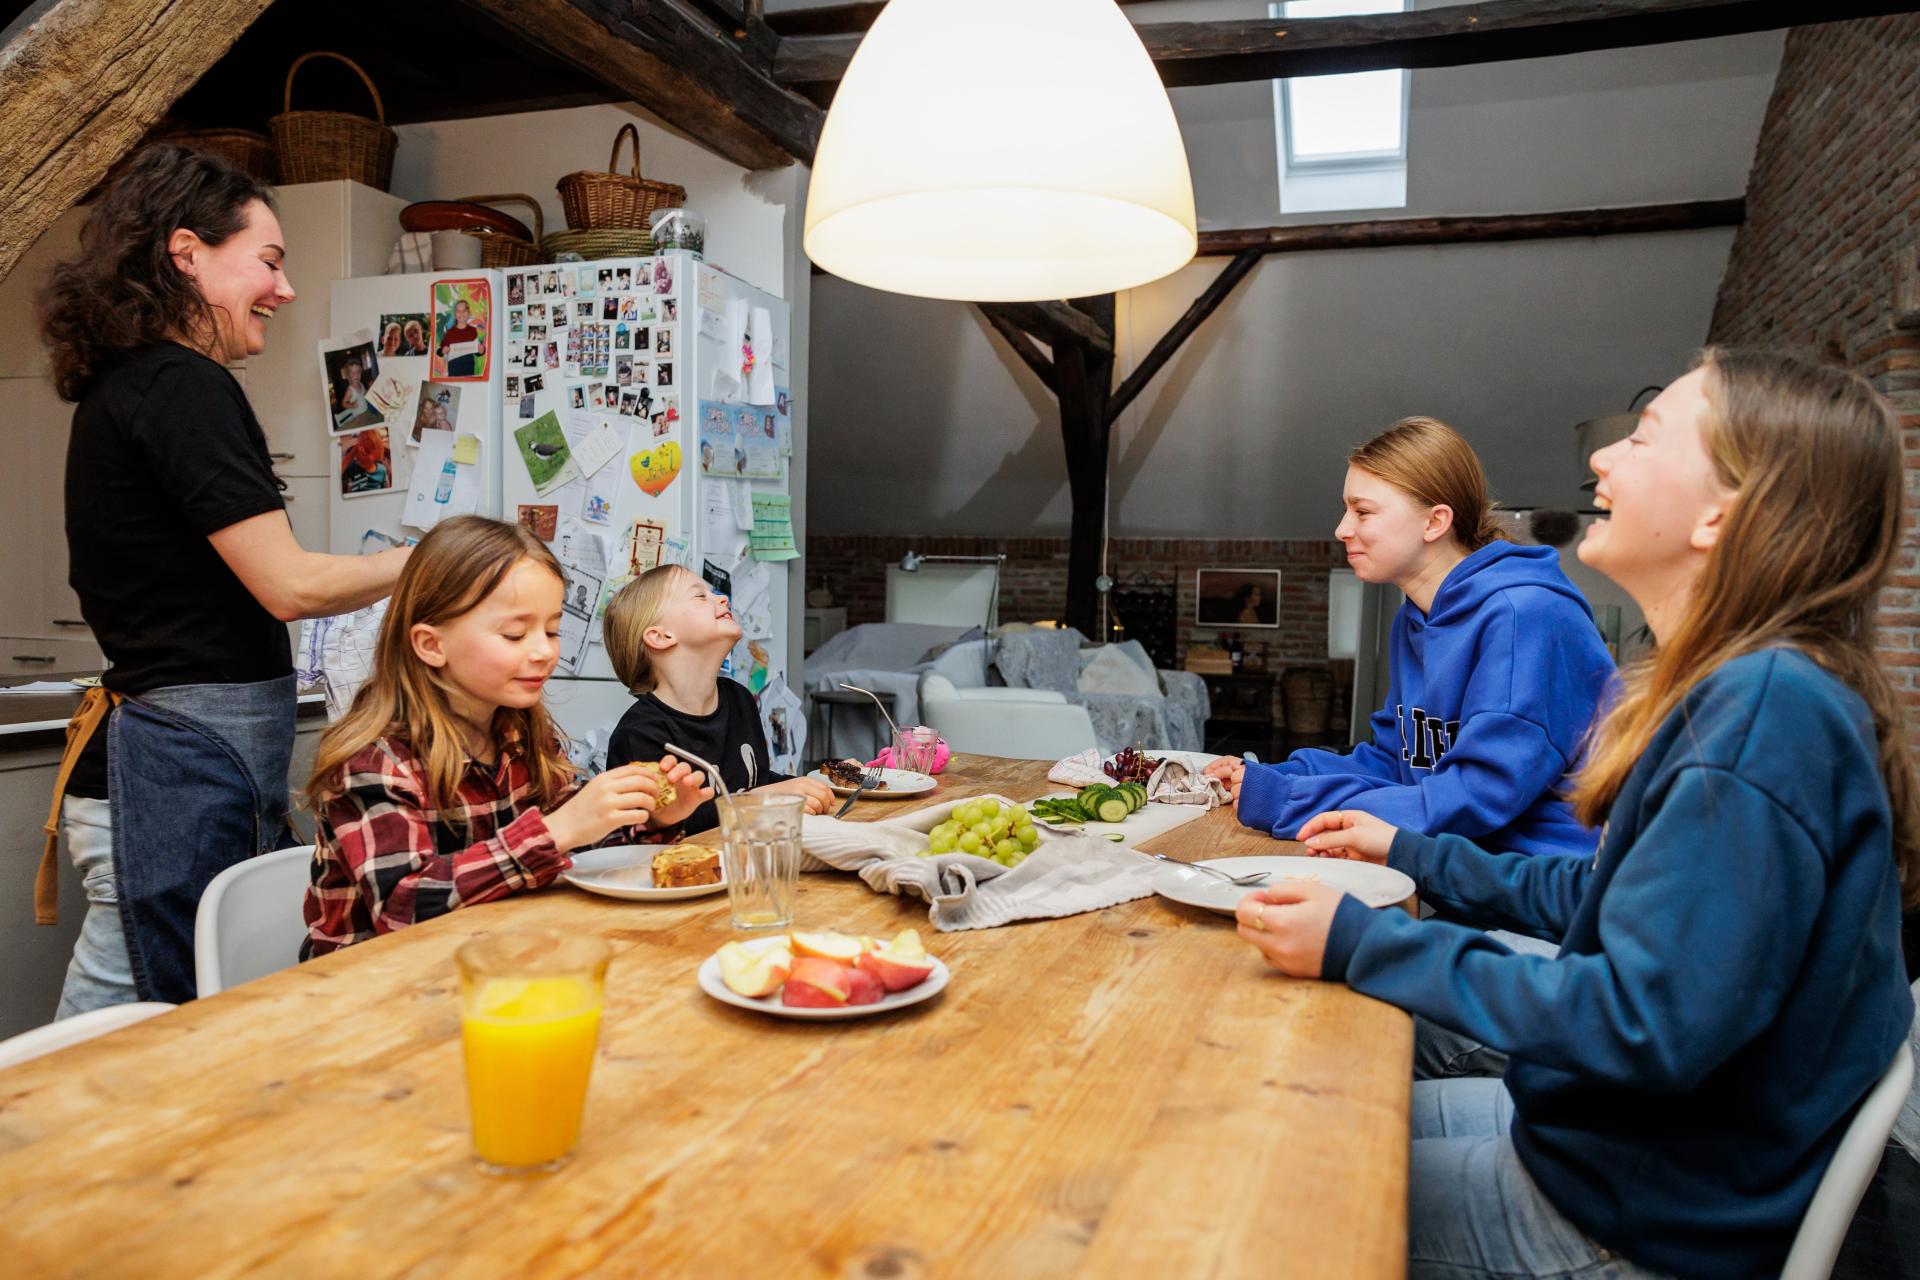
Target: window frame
(1344, 162)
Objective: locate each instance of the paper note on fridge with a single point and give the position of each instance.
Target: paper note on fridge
(597, 448)
(441, 486)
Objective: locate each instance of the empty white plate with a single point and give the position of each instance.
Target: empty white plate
(626, 871)
(1375, 886)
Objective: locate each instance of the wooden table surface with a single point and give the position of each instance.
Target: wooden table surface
(1125, 1092)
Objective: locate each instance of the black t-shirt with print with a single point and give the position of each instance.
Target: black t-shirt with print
(166, 451)
(728, 736)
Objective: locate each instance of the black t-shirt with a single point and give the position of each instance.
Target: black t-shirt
(650, 724)
(166, 451)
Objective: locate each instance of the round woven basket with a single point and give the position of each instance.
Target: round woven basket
(616, 201)
(244, 149)
(500, 250)
(324, 146)
(594, 245)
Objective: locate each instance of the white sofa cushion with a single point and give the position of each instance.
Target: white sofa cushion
(1110, 669)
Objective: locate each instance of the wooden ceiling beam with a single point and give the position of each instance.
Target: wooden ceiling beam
(1023, 346)
(1202, 307)
(81, 81)
(842, 19)
(1196, 53)
(1388, 233)
(705, 77)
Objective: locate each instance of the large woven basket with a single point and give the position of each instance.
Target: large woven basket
(499, 250)
(616, 201)
(244, 149)
(324, 146)
(594, 245)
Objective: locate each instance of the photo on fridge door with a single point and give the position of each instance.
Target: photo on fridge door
(349, 368)
(366, 463)
(462, 330)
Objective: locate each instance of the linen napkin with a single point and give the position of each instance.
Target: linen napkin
(1174, 782)
(1082, 770)
(1062, 877)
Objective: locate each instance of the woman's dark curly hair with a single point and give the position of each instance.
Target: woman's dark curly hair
(124, 290)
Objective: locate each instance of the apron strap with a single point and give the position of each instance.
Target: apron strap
(80, 730)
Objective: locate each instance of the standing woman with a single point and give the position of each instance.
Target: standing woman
(185, 564)
(1496, 671)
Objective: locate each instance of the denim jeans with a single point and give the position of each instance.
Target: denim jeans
(1472, 1208)
(99, 974)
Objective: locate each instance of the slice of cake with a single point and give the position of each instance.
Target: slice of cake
(680, 865)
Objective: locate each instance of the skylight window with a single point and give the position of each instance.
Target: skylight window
(1342, 138)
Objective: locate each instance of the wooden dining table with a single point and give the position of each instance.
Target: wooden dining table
(1124, 1092)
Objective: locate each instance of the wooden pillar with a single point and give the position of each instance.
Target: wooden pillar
(1083, 379)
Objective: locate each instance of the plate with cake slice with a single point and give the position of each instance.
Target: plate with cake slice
(648, 872)
(894, 784)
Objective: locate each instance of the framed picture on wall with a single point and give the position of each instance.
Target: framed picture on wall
(1237, 598)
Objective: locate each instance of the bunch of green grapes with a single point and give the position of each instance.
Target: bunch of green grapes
(1004, 833)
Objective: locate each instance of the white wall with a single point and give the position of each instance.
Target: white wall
(926, 423)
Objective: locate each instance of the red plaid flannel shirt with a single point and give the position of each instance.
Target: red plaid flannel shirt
(383, 859)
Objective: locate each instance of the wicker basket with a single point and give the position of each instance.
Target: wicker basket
(615, 201)
(498, 250)
(323, 146)
(245, 150)
(594, 245)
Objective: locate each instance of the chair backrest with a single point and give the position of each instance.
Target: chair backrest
(999, 722)
(249, 923)
(1825, 1223)
(82, 1026)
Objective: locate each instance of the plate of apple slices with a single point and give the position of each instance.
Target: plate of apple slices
(823, 975)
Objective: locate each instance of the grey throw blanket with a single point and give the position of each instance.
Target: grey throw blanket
(1062, 877)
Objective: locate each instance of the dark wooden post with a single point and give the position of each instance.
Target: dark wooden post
(1083, 379)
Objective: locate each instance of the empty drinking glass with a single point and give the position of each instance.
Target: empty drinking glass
(760, 843)
(915, 747)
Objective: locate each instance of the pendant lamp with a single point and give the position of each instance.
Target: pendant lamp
(1001, 151)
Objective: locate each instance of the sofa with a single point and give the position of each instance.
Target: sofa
(1130, 702)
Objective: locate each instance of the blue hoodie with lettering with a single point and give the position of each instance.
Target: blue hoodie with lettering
(1492, 692)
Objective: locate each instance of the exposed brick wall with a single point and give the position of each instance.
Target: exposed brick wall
(1033, 585)
(1827, 257)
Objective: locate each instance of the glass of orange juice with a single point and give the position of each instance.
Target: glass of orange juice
(529, 1020)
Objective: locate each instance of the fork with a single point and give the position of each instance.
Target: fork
(868, 780)
(1252, 877)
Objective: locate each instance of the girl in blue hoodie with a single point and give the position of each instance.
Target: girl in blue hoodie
(1497, 668)
(1729, 983)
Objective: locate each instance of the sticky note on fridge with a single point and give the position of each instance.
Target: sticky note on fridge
(466, 449)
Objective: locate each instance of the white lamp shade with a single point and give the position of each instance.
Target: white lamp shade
(1001, 151)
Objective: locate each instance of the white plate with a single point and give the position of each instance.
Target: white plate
(901, 783)
(626, 871)
(1375, 886)
(712, 983)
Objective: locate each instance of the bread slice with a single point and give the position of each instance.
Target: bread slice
(680, 865)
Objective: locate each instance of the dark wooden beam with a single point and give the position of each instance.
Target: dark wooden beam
(678, 62)
(1084, 381)
(1388, 233)
(1195, 53)
(1023, 346)
(81, 81)
(1058, 324)
(841, 19)
(1203, 306)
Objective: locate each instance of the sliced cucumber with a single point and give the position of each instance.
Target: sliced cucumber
(1113, 807)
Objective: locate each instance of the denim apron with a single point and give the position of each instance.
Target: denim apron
(197, 780)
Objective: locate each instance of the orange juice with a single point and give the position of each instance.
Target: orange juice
(529, 1049)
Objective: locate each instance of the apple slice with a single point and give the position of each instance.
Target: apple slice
(826, 945)
(896, 971)
(815, 983)
(864, 987)
(904, 945)
(754, 972)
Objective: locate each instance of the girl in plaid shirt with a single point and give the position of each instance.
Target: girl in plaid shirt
(445, 783)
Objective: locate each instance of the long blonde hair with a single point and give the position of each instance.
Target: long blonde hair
(455, 567)
(1432, 463)
(1813, 457)
(634, 608)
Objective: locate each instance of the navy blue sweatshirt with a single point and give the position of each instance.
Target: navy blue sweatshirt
(1492, 692)
(1729, 984)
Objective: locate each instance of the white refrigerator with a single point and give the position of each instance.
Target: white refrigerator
(637, 414)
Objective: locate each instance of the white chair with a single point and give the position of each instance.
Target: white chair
(1015, 724)
(1824, 1226)
(69, 1031)
(249, 923)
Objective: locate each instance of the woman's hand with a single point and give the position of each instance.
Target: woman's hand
(1349, 834)
(1288, 923)
(818, 795)
(690, 792)
(622, 797)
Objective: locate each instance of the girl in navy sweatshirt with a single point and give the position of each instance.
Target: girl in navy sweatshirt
(1729, 983)
(1497, 668)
